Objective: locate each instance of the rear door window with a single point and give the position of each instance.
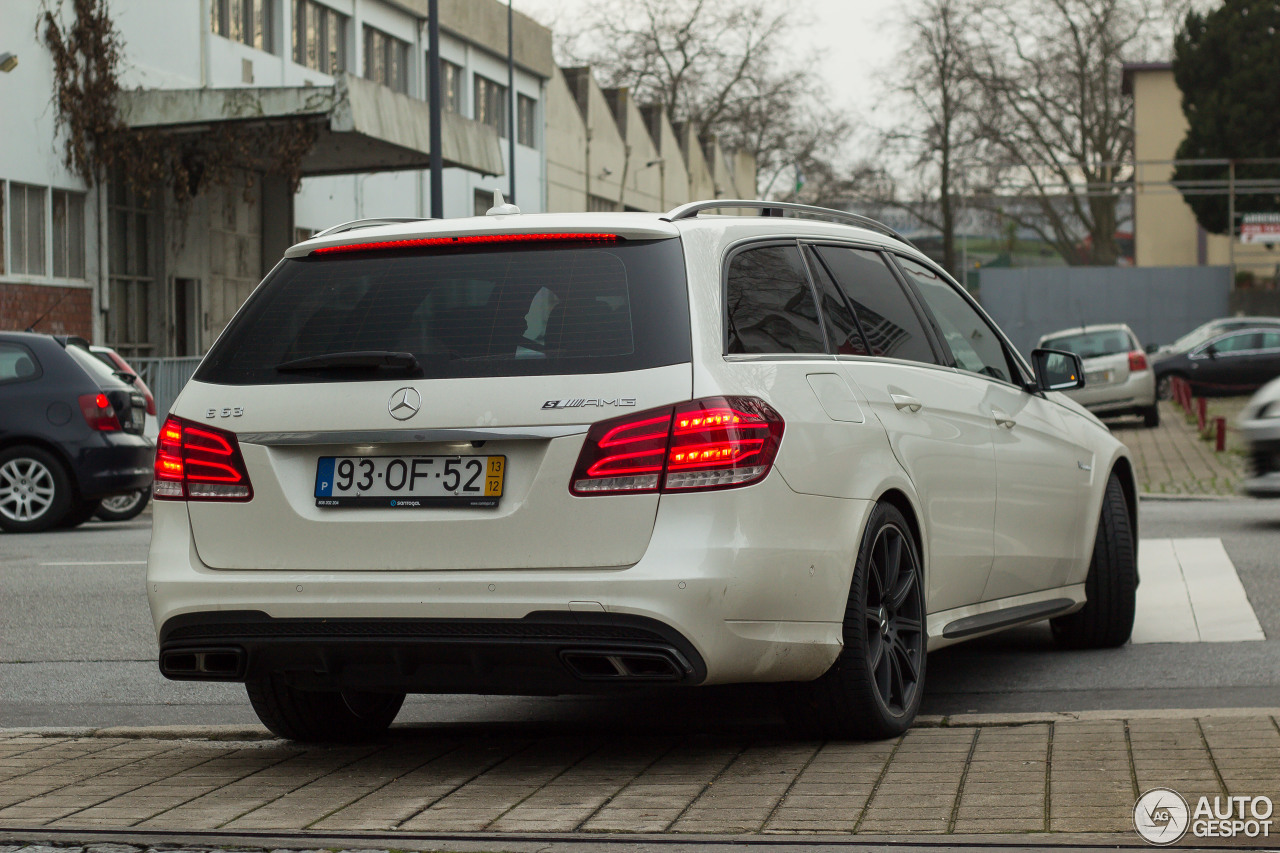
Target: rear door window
(769, 303)
(885, 314)
(17, 364)
(464, 313)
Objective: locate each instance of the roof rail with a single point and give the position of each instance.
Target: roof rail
(367, 223)
(777, 208)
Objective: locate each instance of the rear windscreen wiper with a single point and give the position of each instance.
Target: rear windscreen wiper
(360, 359)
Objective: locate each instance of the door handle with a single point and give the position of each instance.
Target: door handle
(1002, 419)
(902, 401)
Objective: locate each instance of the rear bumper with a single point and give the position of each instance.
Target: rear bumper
(544, 653)
(744, 585)
(1134, 395)
(113, 463)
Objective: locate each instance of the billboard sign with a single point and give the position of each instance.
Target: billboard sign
(1260, 228)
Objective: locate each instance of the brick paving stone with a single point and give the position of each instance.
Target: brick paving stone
(277, 773)
(1173, 460)
(483, 800)
(691, 766)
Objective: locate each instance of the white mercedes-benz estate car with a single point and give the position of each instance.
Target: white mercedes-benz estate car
(571, 453)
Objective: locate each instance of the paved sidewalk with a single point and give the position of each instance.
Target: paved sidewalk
(1172, 460)
(1060, 774)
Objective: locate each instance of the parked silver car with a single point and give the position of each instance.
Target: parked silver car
(1118, 380)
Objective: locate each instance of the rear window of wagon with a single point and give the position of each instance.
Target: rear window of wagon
(514, 311)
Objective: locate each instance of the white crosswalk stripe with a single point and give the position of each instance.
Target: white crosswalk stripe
(1190, 593)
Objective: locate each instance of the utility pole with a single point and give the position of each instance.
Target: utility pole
(1231, 220)
(511, 97)
(433, 105)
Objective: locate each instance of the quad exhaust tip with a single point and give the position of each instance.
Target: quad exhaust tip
(215, 664)
(617, 665)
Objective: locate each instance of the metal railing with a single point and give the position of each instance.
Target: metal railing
(166, 378)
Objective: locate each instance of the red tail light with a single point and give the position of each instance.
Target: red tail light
(199, 463)
(99, 413)
(715, 443)
(1137, 361)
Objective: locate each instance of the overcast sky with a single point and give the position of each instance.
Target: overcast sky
(855, 38)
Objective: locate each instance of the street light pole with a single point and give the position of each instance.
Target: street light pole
(511, 98)
(433, 106)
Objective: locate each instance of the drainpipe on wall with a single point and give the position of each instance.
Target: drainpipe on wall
(203, 25)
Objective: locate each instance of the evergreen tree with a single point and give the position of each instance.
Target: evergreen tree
(1227, 66)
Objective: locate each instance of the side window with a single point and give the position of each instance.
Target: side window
(1270, 340)
(973, 343)
(842, 327)
(769, 303)
(891, 325)
(1237, 343)
(17, 364)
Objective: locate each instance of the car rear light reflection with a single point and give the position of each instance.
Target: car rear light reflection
(99, 413)
(713, 443)
(199, 463)
(1137, 361)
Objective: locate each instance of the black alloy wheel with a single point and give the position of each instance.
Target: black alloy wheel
(894, 615)
(874, 688)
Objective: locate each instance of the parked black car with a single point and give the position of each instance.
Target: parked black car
(70, 433)
(1237, 361)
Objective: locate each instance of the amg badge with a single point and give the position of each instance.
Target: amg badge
(593, 401)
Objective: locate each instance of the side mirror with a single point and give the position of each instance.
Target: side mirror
(1151, 348)
(1211, 351)
(1057, 370)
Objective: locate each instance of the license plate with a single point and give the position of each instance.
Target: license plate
(409, 482)
(1101, 377)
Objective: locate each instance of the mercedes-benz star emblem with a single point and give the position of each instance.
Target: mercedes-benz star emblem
(404, 403)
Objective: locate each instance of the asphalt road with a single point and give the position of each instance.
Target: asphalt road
(77, 648)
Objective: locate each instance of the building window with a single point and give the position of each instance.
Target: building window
(526, 108)
(26, 229)
(600, 204)
(483, 200)
(131, 228)
(386, 59)
(245, 21)
(319, 37)
(68, 234)
(491, 104)
(450, 84)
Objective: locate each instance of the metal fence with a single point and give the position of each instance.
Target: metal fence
(165, 377)
(1159, 303)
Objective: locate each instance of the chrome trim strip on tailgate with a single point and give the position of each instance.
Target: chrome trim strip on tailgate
(394, 436)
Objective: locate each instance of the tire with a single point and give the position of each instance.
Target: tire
(35, 490)
(870, 691)
(1164, 385)
(1151, 416)
(124, 507)
(321, 716)
(1111, 589)
(80, 512)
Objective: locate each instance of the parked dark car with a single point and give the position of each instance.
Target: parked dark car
(1213, 328)
(70, 433)
(131, 504)
(1238, 361)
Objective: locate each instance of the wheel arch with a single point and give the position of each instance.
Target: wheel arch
(52, 448)
(1123, 467)
(901, 501)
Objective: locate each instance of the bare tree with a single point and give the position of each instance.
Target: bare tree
(939, 130)
(720, 65)
(1059, 130)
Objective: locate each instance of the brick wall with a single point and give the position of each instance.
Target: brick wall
(71, 314)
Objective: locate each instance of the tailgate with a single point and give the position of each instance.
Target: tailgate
(536, 523)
